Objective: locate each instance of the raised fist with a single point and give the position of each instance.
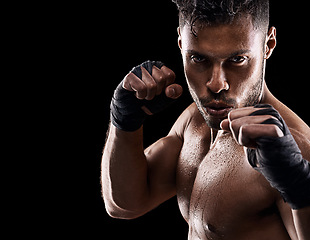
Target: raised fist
(147, 89)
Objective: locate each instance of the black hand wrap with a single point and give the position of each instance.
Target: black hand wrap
(126, 112)
(281, 162)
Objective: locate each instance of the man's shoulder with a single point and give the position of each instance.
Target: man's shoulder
(190, 119)
(292, 120)
(298, 128)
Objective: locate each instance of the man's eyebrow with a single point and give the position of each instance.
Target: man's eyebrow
(239, 52)
(230, 55)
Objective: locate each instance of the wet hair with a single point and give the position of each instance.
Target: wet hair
(216, 12)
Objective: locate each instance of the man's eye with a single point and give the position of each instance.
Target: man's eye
(197, 58)
(238, 59)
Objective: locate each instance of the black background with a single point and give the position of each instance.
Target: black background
(90, 48)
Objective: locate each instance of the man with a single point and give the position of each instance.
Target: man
(237, 158)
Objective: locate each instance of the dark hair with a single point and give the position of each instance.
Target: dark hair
(214, 12)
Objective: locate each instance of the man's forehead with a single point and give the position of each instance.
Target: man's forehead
(222, 39)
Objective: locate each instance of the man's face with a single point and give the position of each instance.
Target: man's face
(224, 67)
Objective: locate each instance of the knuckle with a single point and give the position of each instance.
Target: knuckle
(141, 94)
(276, 131)
(138, 86)
(232, 115)
(141, 88)
(152, 86)
(234, 125)
(161, 82)
(127, 78)
(129, 81)
(244, 129)
(171, 74)
(161, 78)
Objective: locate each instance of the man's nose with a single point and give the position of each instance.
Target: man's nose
(217, 81)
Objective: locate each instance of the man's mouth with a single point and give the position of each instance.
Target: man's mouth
(218, 109)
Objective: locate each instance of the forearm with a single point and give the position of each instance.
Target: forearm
(302, 222)
(127, 178)
(124, 170)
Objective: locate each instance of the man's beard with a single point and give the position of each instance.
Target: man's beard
(252, 99)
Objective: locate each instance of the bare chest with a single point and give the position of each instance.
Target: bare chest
(217, 187)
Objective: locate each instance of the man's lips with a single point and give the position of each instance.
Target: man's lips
(218, 109)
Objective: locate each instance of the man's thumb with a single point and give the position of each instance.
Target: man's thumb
(174, 91)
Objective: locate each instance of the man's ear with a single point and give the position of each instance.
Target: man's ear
(179, 38)
(271, 42)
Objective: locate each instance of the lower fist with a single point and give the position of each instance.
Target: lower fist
(249, 123)
(274, 152)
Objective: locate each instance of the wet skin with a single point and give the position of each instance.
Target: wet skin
(219, 194)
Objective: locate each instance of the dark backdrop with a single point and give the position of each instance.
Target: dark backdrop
(99, 45)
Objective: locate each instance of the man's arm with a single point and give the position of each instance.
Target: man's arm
(302, 222)
(297, 221)
(276, 155)
(124, 172)
(135, 181)
(300, 217)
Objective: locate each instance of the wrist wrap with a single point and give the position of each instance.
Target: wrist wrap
(280, 161)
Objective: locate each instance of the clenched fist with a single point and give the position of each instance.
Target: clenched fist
(272, 150)
(146, 90)
(246, 126)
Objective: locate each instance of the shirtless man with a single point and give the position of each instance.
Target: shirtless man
(239, 170)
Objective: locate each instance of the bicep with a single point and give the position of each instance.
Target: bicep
(162, 157)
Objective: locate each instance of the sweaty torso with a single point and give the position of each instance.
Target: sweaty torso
(220, 195)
